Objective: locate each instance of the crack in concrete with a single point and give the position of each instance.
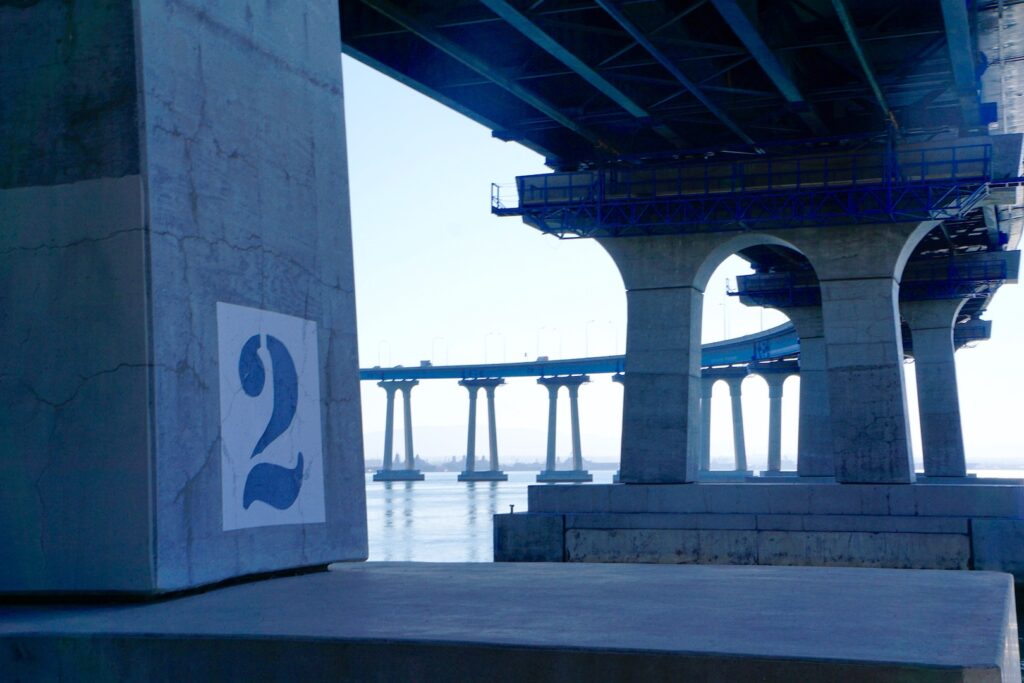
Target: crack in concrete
(69, 245)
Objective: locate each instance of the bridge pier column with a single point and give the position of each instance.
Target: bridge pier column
(471, 432)
(389, 472)
(814, 442)
(492, 427)
(867, 398)
(574, 417)
(471, 473)
(550, 473)
(776, 383)
(389, 424)
(931, 325)
(707, 386)
(738, 438)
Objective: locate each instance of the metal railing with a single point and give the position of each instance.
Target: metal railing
(958, 164)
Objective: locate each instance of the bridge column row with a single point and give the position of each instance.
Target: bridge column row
(775, 376)
(493, 473)
(388, 472)
(551, 473)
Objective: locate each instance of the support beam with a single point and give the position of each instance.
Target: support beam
(748, 34)
(534, 33)
(471, 61)
(851, 33)
(961, 56)
(633, 30)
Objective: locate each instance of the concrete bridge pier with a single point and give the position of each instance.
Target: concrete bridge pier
(775, 375)
(551, 474)
(931, 327)
(814, 441)
(389, 472)
(707, 386)
(494, 473)
(733, 377)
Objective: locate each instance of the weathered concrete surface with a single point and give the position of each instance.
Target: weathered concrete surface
(195, 155)
(935, 526)
(69, 109)
(540, 622)
(931, 328)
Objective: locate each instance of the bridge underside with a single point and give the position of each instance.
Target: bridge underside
(846, 150)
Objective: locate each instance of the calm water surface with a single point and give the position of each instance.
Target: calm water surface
(441, 519)
(445, 520)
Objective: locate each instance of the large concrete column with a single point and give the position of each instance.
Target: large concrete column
(867, 397)
(176, 267)
(931, 325)
(493, 473)
(739, 443)
(661, 407)
(389, 424)
(707, 386)
(814, 442)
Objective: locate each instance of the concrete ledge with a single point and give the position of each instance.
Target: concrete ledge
(398, 475)
(784, 497)
(785, 548)
(564, 477)
(541, 622)
(483, 475)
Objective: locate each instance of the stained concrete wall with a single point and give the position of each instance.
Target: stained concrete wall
(218, 174)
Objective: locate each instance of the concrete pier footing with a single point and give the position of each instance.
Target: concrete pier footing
(979, 525)
(398, 475)
(564, 476)
(538, 622)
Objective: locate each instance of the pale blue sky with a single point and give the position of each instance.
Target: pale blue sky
(439, 278)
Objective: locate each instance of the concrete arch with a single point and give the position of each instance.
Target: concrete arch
(733, 244)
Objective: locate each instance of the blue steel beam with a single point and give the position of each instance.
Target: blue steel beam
(851, 34)
(751, 38)
(773, 344)
(634, 31)
(961, 56)
(534, 33)
(470, 60)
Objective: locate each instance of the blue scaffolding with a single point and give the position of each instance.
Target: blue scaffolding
(880, 186)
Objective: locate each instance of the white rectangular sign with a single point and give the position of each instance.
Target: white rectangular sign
(271, 442)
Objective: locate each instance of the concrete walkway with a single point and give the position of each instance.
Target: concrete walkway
(504, 622)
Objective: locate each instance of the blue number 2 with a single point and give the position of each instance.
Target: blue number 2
(274, 485)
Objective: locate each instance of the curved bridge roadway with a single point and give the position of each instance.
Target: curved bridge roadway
(774, 344)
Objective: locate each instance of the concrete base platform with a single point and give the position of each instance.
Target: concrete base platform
(538, 622)
(782, 522)
(398, 475)
(725, 475)
(564, 476)
(483, 475)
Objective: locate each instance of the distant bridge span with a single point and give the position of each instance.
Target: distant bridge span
(774, 344)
